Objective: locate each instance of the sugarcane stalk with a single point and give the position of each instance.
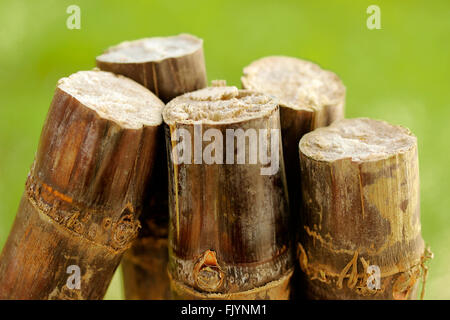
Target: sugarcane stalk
(361, 234)
(228, 229)
(168, 66)
(83, 195)
(309, 98)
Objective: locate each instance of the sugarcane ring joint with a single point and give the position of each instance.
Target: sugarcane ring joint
(207, 273)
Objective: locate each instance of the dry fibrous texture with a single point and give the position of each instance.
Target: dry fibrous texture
(228, 230)
(84, 191)
(360, 182)
(309, 97)
(218, 105)
(168, 66)
(299, 85)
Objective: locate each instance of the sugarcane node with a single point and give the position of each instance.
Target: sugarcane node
(405, 283)
(207, 273)
(78, 227)
(106, 223)
(125, 231)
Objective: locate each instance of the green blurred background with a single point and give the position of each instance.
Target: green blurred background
(400, 73)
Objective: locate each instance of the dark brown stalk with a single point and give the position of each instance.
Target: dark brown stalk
(309, 98)
(168, 66)
(360, 182)
(84, 191)
(228, 230)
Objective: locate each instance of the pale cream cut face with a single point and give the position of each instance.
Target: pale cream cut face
(218, 105)
(115, 98)
(359, 139)
(298, 84)
(152, 49)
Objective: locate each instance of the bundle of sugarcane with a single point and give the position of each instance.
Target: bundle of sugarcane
(227, 220)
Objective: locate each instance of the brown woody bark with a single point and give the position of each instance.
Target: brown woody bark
(83, 193)
(228, 231)
(360, 182)
(168, 66)
(309, 98)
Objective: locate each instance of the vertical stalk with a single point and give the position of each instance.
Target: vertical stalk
(83, 195)
(168, 66)
(361, 235)
(228, 231)
(309, 98)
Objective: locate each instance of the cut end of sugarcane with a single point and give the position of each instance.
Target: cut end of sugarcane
(298, 84)
(152, 49)
(359, 139)
(115, 98)
(218, 105)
